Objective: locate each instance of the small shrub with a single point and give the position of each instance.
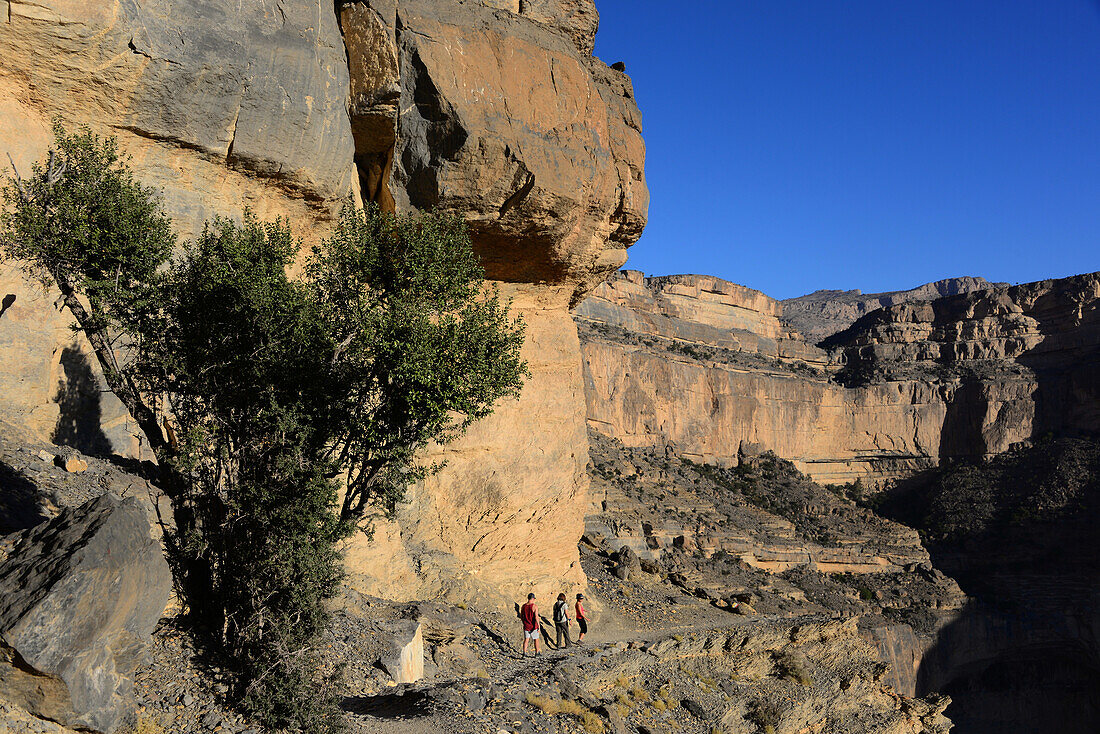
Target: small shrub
(592, 723)
(147, 725)
(572, 708)
(545, 704)
(678, 638)
(793, 667)
(765, 714)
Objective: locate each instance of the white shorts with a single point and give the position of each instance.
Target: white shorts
(532, 635)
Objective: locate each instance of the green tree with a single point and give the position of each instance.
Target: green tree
(421, 349)
(82, 223)
(236, 364)
(297, 408)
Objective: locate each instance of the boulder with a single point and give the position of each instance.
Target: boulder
(403, 659)
(71, 463)
(79, 597)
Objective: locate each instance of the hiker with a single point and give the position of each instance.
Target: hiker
(529, 613)
(561, 621)
(582, 621)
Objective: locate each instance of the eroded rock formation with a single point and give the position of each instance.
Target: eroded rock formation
(496, 111)
(710, 367)
(500, 113)
(822, 313)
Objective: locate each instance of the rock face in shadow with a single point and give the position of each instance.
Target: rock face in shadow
(79, 597)
(711, 367)
(1018, 533)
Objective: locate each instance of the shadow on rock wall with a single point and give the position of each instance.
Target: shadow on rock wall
(1019, 535)
(20, 504)
(79, 398)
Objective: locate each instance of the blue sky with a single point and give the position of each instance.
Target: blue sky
(876, 144)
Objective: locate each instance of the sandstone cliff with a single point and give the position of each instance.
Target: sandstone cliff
(709, 367)
(495, 111)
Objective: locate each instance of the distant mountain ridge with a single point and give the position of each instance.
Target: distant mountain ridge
(824, 312)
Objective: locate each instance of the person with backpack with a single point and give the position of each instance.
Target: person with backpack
(561, 621)
(529, 615)
(582, 620)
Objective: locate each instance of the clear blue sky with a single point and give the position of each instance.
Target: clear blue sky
(874, 144)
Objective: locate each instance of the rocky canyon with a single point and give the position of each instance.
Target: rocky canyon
(842, 512)
(963, 409)
(295, 110)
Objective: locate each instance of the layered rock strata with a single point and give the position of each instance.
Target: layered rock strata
(822, 313)
(710, 367)
(496, 111)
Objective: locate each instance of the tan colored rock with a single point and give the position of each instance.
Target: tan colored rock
(404, 659)
(499, 115)
(505, 121)
(714, 374)
(72, 464)
(220, 106)
(504, 518)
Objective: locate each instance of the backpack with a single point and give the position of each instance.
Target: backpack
(559, 612)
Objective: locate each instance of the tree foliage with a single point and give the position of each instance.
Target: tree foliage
(292, 409)
(419, 352)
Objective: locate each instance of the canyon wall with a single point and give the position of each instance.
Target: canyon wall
(496, 112)
(823, 313)
(712, 368)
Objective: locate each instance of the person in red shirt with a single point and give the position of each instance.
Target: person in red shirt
(582, 621)
(529, 614)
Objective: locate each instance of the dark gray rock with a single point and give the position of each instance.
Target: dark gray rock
(694, 708)
(79, 597)
(230, 80)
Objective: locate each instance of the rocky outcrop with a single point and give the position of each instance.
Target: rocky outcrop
(822, 313)
(404, 657)
(79, 596)
(504, 117)
(496, 111)
(764, 515)
(901, 389)
(809, 674)
(219, 104)
(1022, 361)
(709, 367)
